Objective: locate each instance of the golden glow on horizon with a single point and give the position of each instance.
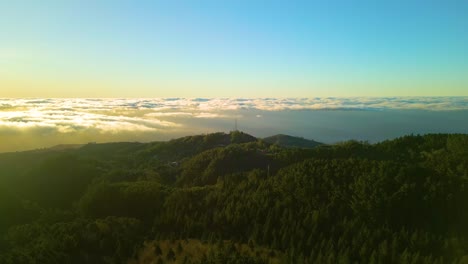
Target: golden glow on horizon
(27, 88)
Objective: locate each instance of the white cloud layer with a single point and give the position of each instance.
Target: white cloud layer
(36, 123)
(150, 115)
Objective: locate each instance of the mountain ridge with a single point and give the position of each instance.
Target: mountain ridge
(292, 141)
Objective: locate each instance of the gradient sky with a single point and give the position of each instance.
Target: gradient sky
(233, 48)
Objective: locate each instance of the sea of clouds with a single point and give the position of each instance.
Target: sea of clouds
(44, 122)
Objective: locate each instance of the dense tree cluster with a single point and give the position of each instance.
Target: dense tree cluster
(398, 201)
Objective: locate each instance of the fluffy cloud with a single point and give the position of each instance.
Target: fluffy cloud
(69, 121)
(36, 123)
(167, 114)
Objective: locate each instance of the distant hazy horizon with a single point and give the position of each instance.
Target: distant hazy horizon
(324, 70)
(37, 123)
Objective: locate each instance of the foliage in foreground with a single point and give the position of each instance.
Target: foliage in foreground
(229, 198)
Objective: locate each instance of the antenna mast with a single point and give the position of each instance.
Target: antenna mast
(235, 124)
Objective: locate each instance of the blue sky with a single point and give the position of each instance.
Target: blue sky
(233, 48)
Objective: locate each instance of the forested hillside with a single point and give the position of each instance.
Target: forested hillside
(233, 198)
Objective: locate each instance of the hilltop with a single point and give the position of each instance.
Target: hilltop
(290, 141)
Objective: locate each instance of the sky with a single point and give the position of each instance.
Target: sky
(242, 48)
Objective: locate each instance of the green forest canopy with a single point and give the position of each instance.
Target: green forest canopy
(238, 199)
